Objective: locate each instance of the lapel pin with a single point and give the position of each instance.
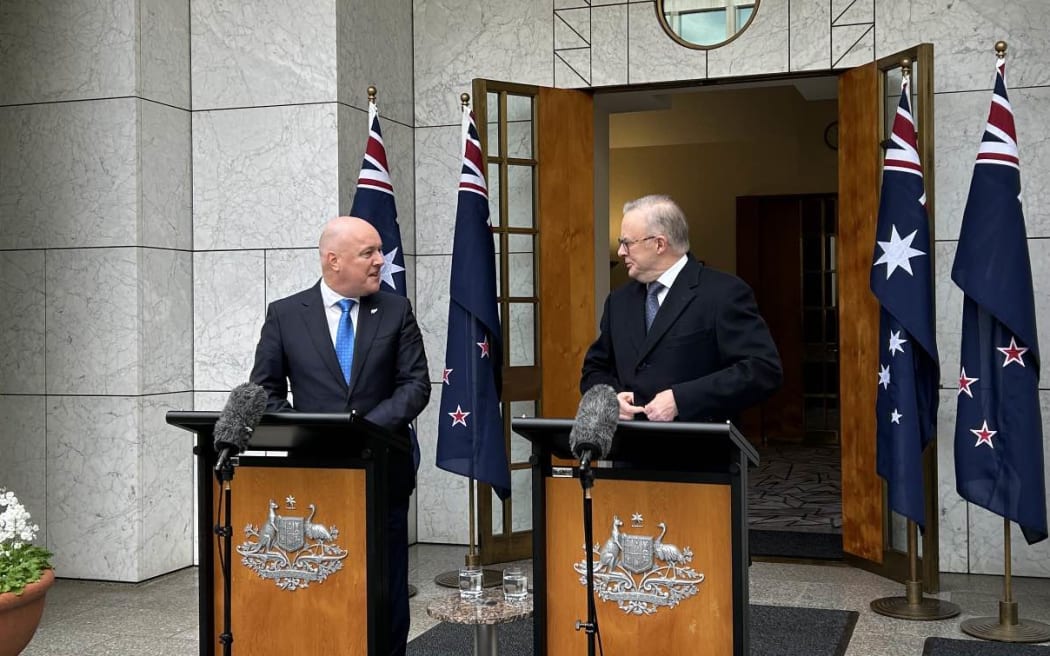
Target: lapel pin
(374, 310)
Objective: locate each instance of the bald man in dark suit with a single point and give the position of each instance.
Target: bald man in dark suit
(341, 346)
(681, 341)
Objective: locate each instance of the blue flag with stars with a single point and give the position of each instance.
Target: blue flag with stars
(374, 202)
(470, 426)
(998, 427)
(901, 278)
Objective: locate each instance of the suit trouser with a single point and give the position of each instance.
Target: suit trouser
(397, 554)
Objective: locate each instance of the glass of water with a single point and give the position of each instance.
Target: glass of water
(515, 583)
(470, 582)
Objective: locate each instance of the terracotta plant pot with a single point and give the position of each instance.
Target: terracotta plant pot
(20, 615)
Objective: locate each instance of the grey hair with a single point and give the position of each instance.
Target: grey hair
(663, 217)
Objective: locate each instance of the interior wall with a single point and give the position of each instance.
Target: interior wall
(711, 147)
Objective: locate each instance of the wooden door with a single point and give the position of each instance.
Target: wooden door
(539, 158)
(869, 533)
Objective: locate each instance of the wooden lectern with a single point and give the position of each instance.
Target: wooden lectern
(670, 530)
(309, 565)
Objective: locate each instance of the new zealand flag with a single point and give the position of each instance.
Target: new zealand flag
(909, 370)
(470, 425)
(374, 202)
(998, 429)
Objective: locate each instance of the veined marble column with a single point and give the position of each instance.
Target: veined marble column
(95, 263)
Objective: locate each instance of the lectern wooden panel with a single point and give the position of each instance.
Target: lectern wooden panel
(309, 564)
(693, 515)
(326, 503)
(670, 548)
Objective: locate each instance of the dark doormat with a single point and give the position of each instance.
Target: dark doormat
(789, 544)
(775, 631)
(953, 647)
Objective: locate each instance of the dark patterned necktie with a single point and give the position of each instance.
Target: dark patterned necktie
(652, 303)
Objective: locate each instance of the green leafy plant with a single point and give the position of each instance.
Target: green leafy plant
(21, 562)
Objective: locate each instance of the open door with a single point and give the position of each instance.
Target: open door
(874, 537)
(538, 144)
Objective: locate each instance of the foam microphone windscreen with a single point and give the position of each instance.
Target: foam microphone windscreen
(595, 424)
(244, 408)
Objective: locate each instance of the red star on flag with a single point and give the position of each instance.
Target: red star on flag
(984, 436)
(444, 375)
(459, 417)
(965, 382)
(484, 346)
(1013, 352)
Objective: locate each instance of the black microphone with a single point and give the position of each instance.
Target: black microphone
(244, 408)
(592, 433)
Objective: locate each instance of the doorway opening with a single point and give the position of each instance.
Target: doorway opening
(754, 165)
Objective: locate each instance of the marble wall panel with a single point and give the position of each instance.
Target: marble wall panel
(948, 315)
(959, 121)
(165, 216)
(441, 497)
(609, 45)
(23, 468)
(290, 271)
(352, 137)
(653, 56)
(252, 54)
(228, 311)
(464, 39)
(67, 51)
(166, 320)
(438, 161)
(92, 338)
(68, 174)
(375, 48)
(810, 35)
(22, 322)
(164, 51)
(264, 177)
(953, 519)
(1032, 115)
(760, 49)
(964, 33)
(432, 284)
(94, 486)
(166, 500)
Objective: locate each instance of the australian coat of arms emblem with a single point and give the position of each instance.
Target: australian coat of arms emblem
(292, 551)
(641, 573)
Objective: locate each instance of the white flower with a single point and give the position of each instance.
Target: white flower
(15, 528)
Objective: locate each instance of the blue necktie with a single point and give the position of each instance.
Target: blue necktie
(652, 303)
(344, 339)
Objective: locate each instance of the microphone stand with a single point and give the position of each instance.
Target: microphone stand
(224, 475)
(587, 482)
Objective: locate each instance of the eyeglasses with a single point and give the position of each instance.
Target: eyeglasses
(627, 243)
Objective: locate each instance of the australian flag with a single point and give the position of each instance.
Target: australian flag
(909, 371)
(470, 426)
(374, 202)
(998, 429)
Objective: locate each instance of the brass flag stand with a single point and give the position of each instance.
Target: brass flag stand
(914, 606)
(490, 577)
(1007, 627)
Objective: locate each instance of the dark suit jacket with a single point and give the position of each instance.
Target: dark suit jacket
(708, 344)
(389, 380)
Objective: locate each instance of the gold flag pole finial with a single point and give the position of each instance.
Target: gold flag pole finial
(372, 91)
(1000, 49)
(906, 67)
(464, 99)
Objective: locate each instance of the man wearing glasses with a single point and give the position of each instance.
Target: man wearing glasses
(681, 340)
